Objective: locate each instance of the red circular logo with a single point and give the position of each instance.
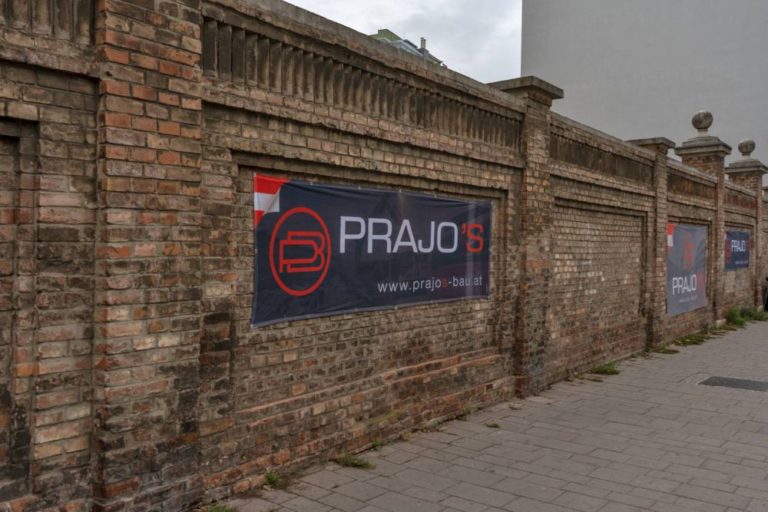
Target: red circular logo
(300, 251)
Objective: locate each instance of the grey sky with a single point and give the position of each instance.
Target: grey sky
(479, 38)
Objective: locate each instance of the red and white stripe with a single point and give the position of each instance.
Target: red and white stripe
(670, 235)
(266, 196)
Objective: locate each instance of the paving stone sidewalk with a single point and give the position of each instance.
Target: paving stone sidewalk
(649, 439)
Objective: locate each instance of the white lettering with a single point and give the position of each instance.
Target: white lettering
(431, 247)
(384, 237)
(440, 239)
(350, 236)
(405, 229)
(684, 284)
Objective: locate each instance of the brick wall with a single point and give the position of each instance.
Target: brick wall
(691, 199)
(597, 296)
(130, 378)
(48, 228)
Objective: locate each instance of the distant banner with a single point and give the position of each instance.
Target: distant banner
(686, 268)
(323, 249)
(737, 245)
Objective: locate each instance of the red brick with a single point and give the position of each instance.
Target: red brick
(144, 92)
(169, 128)
(115, 55)
(114, 87)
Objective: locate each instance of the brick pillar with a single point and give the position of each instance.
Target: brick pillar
(748, 173)
(537, 203)
(656, 309)
(707, 153)
(148, 255)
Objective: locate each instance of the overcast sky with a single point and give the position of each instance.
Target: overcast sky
(479, 38)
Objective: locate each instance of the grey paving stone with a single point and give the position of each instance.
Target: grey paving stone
(426, 479)
(649, 439)
(302, 504)
(327, 479)
(580, 502)
(394, 502)
(362, 491)
(252, 505)
(528, 490)
(529, 505)
(480, 494)
(457, 503)
(716, 497)
(341, 502)
(389, 483)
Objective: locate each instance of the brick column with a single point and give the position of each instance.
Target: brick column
(148, 285)
(707, 153)
(748, 172)
(537, 203)
(657, 270)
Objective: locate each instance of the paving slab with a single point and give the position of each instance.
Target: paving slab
(652, 438)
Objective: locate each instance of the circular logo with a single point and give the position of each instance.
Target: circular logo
(300, 251)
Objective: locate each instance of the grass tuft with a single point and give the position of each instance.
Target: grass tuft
(220, 507)
(275, 481)
(666, 350)
(734, 317)
(692, 339)
(605, 369)
(754, 315)
(464, 413)
(353, 461)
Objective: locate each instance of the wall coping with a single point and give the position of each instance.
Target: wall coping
(300, 21)
(628, 150)
(675, 165)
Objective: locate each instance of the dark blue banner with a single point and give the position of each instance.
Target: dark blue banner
(737, 246)
(686, 268)
(324, 249)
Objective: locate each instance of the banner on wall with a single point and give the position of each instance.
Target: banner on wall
(686, 268)
(737, 246)
(324, 249)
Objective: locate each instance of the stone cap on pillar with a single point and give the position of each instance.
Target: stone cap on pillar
(703, 143)
(658, 144)
(747, 164)
(530, 87)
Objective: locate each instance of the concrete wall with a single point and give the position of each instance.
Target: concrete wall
(131, 377)
(639, 69)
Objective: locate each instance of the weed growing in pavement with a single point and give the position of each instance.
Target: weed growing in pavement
(692, 339)
(666, 350)
(220, 507)
(353, 461)
(754, 315)
(605, 369)
(275, 481)
(733, 317)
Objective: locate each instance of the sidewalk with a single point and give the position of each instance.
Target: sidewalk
(651, 438)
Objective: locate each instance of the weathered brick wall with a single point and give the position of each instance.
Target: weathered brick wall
(740, 216)
(597, 294)
(691, 196)
(763, 263)
(353, 378)
(148, 317)
(130, 378)
(48, 228)
(602, 249)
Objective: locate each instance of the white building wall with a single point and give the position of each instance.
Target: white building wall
(640, 68)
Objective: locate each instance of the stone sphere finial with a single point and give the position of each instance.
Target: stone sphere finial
(702, 120)
(746, 147)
